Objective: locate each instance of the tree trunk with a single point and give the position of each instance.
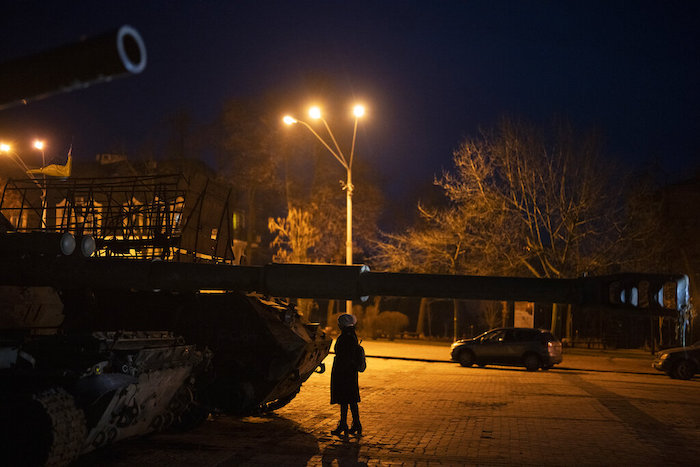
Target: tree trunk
(455, 312)
(330, 312)
(430, 320)
(556, 320)
(507, 312)
(250, 227)
(422, 311)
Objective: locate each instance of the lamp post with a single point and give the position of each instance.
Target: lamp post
(315, 113)
(39, 144)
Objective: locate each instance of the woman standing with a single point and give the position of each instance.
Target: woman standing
(344, 388)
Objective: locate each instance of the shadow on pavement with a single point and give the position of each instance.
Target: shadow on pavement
(555, 368)
(266, 440)
(344, 453)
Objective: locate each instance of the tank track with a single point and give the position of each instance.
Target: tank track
(66, 424)
(68, 429)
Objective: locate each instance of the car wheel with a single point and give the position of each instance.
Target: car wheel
(684, 369)
(466, 358)
(532, 362)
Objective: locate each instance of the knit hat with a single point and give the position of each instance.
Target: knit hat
(346, 320)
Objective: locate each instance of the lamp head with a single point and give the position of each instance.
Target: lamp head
(315, 112)
(4, 147)
(38, 144)
(289, 120)
(358, 110)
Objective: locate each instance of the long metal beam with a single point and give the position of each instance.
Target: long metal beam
(336, 281)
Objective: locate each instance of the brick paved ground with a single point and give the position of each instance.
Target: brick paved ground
(431, 413)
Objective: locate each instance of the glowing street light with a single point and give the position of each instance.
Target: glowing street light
(316, 114)
(39, 144)
(7, 149)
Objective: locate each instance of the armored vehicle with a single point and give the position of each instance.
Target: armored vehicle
(122, 312)
(110, 328)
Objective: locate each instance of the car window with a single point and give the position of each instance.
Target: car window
(533, 334)
(494, 336)
(509, 335)
(483, 336)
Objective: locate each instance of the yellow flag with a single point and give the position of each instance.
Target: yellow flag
(56, 170)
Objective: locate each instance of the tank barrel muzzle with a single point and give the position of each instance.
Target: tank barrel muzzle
(74, 66)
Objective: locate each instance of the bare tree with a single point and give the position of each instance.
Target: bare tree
(522, 201)
(552, 202)
(294, 237)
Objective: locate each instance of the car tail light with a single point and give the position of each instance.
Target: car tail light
(553, 348)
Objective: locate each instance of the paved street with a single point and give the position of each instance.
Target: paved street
(596, 408)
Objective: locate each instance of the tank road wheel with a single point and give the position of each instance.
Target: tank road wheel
(684, 369)
(466, 358)
(188, 412)
(45, 428)
(531, 361)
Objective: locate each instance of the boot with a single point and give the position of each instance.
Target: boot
(341, 430)
(356, 428)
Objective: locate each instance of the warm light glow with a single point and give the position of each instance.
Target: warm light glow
(289, 120)
(4, 147)
(358, 110)
(38, 144)
(315, 112)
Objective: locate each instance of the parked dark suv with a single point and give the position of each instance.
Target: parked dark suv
(679, 362)
(528, 347)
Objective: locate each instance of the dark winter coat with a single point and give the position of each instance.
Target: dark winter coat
(344, 387)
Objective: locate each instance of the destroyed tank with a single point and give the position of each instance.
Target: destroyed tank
(121, 313)
(110, 329)
(87, 362)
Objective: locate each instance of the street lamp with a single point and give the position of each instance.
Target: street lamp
(316, 114)
(39, 144)
(7, 149)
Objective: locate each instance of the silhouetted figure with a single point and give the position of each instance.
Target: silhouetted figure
(344, 388)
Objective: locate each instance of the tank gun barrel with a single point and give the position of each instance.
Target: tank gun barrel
(74, 66)
(340, 282)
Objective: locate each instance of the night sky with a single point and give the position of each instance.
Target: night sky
(429, 73)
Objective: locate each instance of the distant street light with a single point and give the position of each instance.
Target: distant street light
(7, 149)
(39, 144)
(316, 114)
